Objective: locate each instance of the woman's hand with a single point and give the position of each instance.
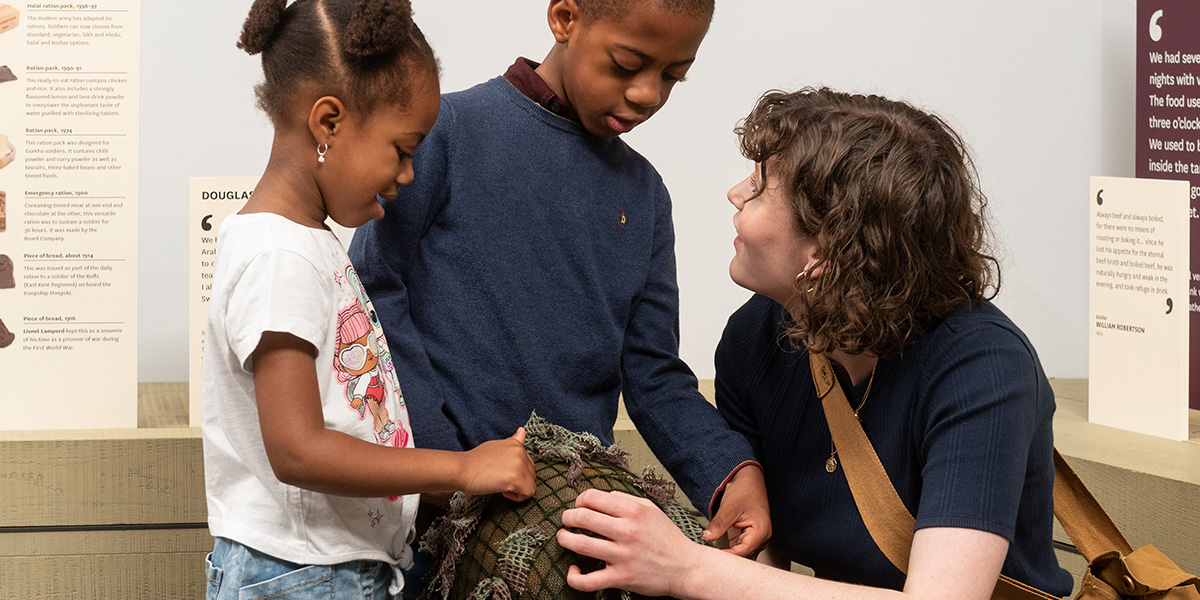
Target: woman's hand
(500, 466)
(643, 551)
(743, 514)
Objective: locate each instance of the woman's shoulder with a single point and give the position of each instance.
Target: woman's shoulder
(979, 337)
(977, 360)
(978, 323)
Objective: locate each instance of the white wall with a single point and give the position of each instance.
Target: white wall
(1042, 91)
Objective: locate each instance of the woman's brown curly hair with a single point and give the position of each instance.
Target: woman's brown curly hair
(891, 196)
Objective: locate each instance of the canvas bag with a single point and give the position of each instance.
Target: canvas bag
(1115, 570)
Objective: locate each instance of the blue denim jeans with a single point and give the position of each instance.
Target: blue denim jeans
(237, 572)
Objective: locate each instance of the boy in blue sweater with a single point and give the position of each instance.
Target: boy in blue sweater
(530, 265)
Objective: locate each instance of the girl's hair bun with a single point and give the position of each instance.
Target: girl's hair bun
(261, 24)
(362, 51)
(378, 26)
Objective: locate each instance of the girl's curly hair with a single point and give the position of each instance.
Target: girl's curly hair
(361, 51)
(891, 196)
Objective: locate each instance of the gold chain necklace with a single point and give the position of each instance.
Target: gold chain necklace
(831, 464)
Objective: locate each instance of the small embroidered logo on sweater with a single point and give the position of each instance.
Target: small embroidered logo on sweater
(622, 219)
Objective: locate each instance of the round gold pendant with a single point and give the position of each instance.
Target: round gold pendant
(831, 464)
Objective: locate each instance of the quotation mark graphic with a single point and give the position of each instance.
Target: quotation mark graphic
(1170, 305)
(204, 224)
(1099, 200)
(1155, 28)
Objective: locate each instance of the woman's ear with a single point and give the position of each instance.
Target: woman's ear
(814, 265)
(812, 272)
(325, 118)
(564, 19)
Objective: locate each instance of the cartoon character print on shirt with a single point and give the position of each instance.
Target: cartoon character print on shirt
(356, 358)
(385, 356)
(364, 364)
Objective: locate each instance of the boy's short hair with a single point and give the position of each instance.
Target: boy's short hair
(618, 9)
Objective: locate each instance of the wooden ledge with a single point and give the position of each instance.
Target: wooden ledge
(75, 499)
(1076, 437)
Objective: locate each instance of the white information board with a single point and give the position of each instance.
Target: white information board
(69, 81)
(1139, 303)
(210, 200)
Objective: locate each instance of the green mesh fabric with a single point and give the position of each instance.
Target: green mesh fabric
(489, 548)
(516, 556)
(493, 588)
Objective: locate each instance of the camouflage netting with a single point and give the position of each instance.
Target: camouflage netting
(489, 548)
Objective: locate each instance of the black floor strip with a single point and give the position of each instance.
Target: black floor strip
(116, 527)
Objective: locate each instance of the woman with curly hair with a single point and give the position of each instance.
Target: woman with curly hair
(862, 232)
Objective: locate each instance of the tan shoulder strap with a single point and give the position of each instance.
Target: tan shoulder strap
(887, 519)
(1081, 516)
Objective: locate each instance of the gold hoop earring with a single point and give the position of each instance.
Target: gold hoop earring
(801, 278)
(322, 148)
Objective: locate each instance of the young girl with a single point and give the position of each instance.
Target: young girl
(308, 456)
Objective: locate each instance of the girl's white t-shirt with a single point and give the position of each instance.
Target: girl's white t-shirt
(275, 275)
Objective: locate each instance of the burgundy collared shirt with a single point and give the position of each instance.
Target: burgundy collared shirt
(523, 77)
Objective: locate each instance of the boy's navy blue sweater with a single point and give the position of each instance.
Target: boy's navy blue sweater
(530, 266)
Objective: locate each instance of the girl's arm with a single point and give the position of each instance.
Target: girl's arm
(645, 553)
(304, 453)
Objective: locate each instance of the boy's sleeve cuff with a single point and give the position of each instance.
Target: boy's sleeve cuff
(715, 503)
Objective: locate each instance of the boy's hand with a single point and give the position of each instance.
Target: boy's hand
(743, 514)
(500, 466)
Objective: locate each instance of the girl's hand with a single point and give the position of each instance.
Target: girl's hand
(643, 551)
(500, 466)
